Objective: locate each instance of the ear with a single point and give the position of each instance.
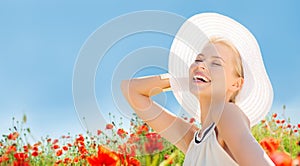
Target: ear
(237, 84)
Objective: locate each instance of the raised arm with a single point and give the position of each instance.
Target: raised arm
(138, 93)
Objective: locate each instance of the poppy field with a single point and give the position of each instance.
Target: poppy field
(139, 145)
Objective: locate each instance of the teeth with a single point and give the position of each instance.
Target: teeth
(198, 77)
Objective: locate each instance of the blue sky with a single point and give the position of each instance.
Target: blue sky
(40, 42)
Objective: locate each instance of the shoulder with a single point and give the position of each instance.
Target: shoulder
(234, 131)
(232, 114)
(233, 121)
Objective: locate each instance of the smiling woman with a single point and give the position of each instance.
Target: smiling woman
(233, 59)
(226, 84)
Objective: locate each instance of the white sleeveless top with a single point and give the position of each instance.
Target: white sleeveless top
(206, 150)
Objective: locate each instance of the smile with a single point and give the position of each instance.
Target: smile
(200, 78)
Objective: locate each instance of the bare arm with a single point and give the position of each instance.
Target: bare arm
(235, 131)
(138, 93)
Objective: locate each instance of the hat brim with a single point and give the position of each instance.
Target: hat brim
(256, 96)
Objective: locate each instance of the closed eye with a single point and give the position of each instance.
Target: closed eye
(198, 60)
(217, 64)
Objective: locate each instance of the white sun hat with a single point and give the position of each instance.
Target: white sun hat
(256, 96)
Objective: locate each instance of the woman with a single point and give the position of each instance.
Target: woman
(225, 86)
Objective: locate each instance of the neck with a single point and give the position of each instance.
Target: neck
(204, 107)
(207, 105)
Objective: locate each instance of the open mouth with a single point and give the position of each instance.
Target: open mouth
(201, 79)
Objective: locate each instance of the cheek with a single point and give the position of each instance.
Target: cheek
(230, 78)
(192, 67)
(220, 76)
(217, 73)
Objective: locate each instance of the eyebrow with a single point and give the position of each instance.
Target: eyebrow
(202, 55)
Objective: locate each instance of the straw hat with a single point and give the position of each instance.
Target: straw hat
(256, 96)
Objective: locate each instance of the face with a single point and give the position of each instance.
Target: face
(213, 72)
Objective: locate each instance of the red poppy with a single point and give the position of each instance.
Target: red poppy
(49, 140)
(142, 129)
(105, 158)
(81, 143)
(35, 148)
(58, 162)
(274, 115)
(65, 148)
(134, 162)
(109, 126)
(299, 125)
(10, 149)
(281, 158)
(122, 133)
(59, 153)
(151, 136)
(20, 156)
(82, 156)
(55, 141)
(99, 132)
(133, 138)
(25, 148)
(82, 150)
(122, 148)
(154, 142)
(21, 163)
(55, 146)
(80, 138)
(21, 159)
(270, 144)
(67, 160)
(132, 150)
(3, 158)
(13, 136)
(75, 160)
(192, 120)
(282, 121)
(127, 160)
(34, 153)
(37, 144)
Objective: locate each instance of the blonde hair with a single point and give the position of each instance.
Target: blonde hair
(236, 60)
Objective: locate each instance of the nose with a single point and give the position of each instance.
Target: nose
(201, 66)
(198, 66)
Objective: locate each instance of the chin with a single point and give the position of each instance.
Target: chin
(196, 91)
(200, 90)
